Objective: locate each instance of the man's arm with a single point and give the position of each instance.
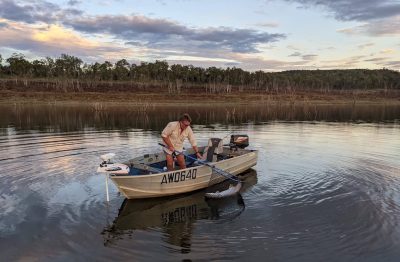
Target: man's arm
(196, 150)
(165, 136)
(167, 141)
(193, 142)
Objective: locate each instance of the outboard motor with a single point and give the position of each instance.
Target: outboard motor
(107, 159)
(239, 141)
(107, 166)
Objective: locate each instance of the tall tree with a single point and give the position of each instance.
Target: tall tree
(18, 65)
(68, 66)
(121, 70)
(39, 68)
(106, 70)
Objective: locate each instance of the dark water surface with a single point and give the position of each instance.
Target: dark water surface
(326, 186)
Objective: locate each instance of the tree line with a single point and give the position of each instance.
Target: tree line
(71, 67)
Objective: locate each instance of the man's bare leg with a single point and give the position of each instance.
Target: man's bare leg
(170, 162)
(181, 161)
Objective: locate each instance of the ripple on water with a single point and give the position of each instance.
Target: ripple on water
(320, 192)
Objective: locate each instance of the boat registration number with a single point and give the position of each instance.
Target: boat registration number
(179, 176)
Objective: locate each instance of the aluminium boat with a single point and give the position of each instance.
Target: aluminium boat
(146, 176)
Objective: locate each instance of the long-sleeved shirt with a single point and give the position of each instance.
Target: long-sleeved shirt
(177, 136)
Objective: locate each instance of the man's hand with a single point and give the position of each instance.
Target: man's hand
(171, 148)
(198, 155)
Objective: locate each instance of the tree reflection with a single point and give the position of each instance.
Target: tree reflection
(102, 116)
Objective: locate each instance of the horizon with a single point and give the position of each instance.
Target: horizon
(84, 63)
(269, 35)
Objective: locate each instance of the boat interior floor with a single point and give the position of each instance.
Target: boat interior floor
(156, 163)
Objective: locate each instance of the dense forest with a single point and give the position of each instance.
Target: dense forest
(69, 72)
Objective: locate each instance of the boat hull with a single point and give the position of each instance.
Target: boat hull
(182, 181)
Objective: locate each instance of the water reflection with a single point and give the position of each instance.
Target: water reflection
(176, 216)
(323, 191)
(50, 117)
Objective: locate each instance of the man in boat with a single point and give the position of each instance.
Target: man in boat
(173, 135)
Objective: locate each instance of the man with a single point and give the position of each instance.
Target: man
(173, 136)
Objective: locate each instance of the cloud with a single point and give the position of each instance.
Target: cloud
(43, 40)
(41, 27)
(392, 64)
(128, 26)
(379, 18)
(54, 40)
(34, 11)
(384, 62)
(388, 51)
(292, 47)
(272, 24)
(164, 32)
(349, 31)
(307, 57)
(295, 54)
(376, 59)
(216, 58)
(384, 27)
(364, 46)
(134, 43)
(329, 48)
(74, 2)
(341, 63)
(196, 59)
(255, 62)
(29, 13)
(232, 64)
(355, 10)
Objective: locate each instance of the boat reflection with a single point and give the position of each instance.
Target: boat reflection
(175, 216)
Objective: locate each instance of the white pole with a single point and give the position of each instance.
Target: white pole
(108, 197)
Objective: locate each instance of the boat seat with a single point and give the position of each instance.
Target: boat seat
(145, 167)
(212, 150)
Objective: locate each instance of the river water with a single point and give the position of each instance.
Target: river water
(326, 186)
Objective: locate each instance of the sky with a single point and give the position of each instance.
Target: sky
(269, 35)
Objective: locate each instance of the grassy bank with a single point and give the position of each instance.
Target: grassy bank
(188, 98)
(157, 93)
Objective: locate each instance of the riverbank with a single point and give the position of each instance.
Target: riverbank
(201, 98)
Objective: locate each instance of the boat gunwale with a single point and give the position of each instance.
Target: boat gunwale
(113, 176)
